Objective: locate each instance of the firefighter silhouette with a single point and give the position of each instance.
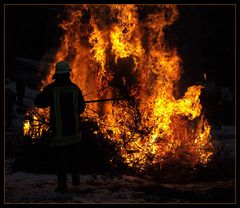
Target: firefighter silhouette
(66, 104)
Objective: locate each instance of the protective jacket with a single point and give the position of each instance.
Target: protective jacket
(66, 104)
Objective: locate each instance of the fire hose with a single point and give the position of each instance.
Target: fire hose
(105, 100)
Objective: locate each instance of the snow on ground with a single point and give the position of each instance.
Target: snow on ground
(24, 187)
(225, 139)
(93, 189)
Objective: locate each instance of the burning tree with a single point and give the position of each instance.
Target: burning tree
(115, 53)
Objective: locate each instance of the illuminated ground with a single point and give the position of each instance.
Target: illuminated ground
(31, 188)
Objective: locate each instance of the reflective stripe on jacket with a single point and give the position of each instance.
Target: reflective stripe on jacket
(60, 139)
(66, 104)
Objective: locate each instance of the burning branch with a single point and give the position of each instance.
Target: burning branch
(35, 124)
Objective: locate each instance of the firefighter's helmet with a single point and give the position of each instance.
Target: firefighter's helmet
(62, 67)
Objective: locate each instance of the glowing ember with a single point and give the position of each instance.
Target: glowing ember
(113, 53)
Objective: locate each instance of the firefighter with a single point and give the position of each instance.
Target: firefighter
(66, 104)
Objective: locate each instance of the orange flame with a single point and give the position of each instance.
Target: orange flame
(114, 46)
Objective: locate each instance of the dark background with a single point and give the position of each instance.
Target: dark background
(30, 32)
(205, 38)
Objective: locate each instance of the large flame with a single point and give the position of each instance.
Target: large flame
(114, 52)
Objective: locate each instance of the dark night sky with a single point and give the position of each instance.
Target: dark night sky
(203, 35)
(205, 38)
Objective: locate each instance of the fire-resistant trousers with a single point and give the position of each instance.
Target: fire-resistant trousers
(66, 159)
